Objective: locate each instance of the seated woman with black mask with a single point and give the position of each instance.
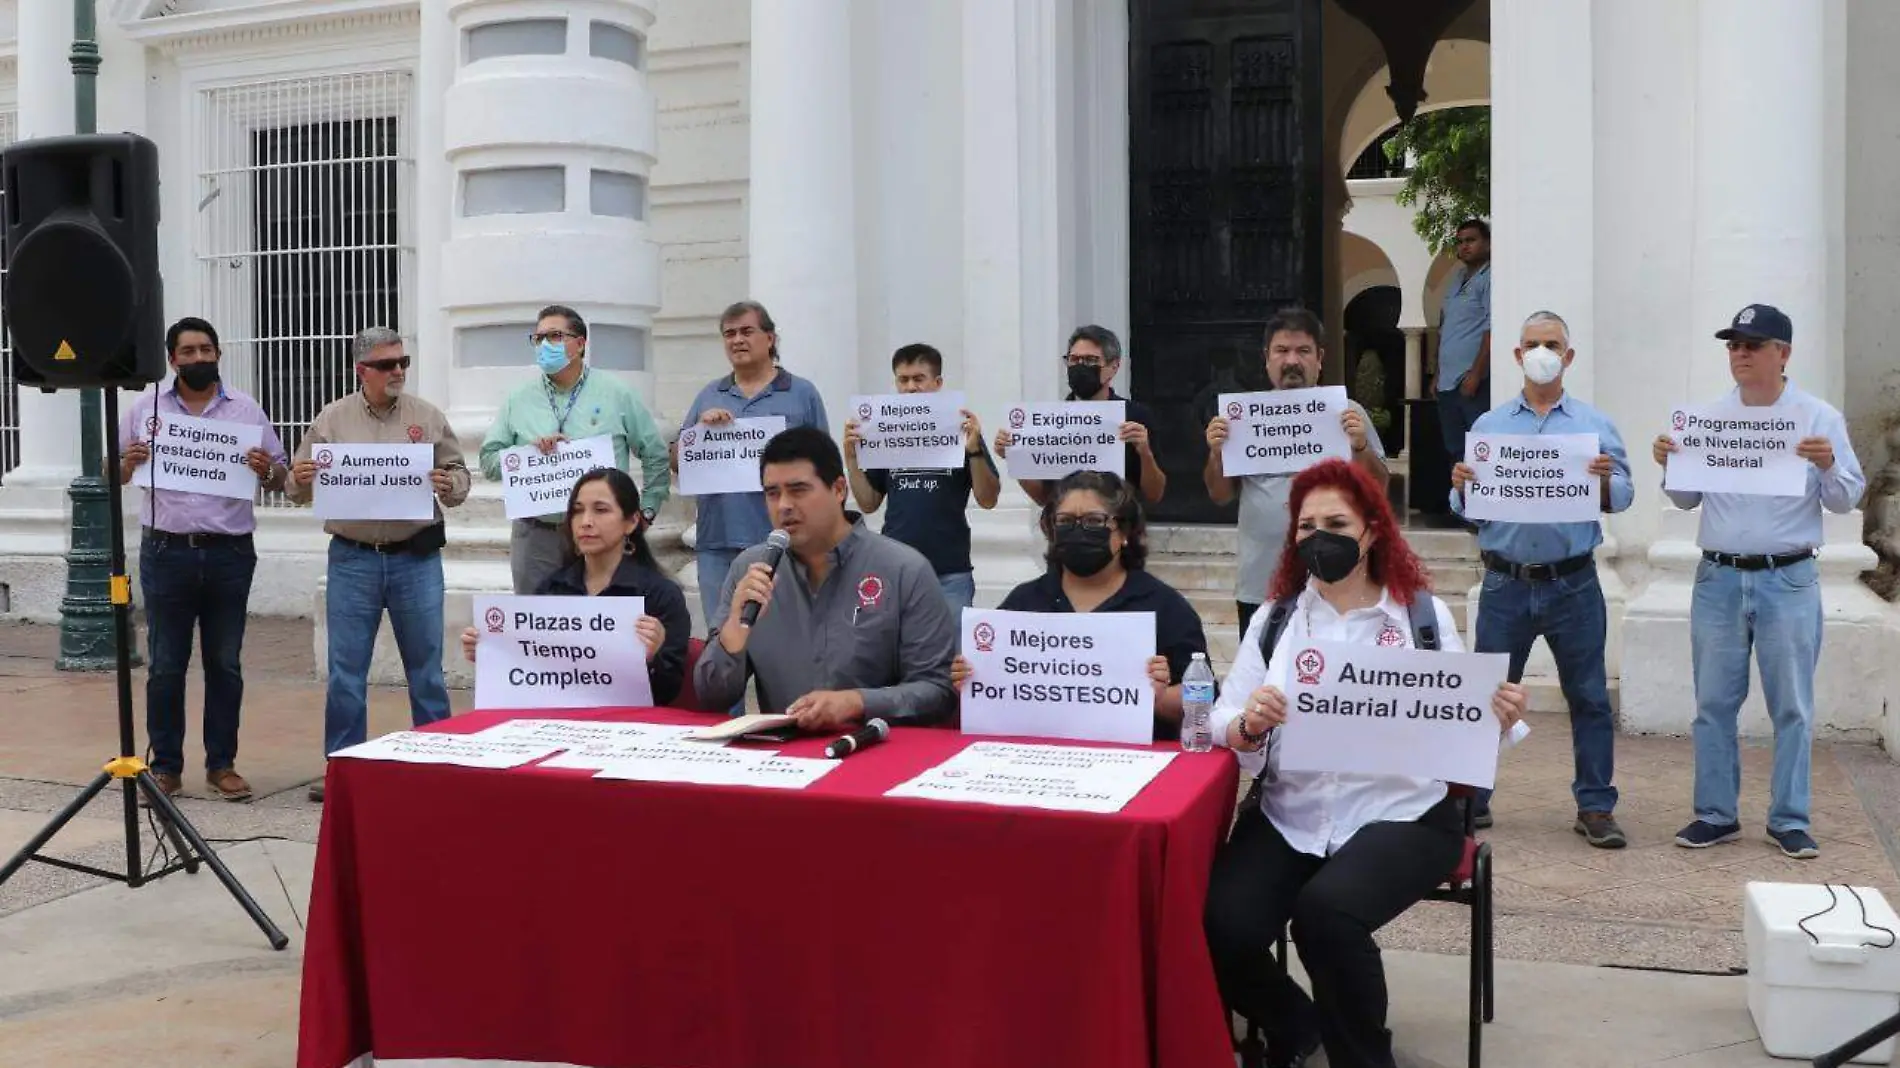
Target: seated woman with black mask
(1097, 554)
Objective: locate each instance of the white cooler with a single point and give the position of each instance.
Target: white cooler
(1808, 998)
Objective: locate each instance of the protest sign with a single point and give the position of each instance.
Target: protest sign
(373, 481)
(463, 750)
(1373, 710)
(1052, 440)
(1283, 431)
(1059, 777)
(725, 458)
(1732, 448)
(1071, 675)
(560, 652)
(535, 484)
(1533, 478)
(194, 455)
(909, 430)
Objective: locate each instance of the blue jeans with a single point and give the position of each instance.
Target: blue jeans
(1777, 611)
(1568, 613)
(363, 583)
(713, 565)
(207, 588)
(959, 589)
(1458, 413)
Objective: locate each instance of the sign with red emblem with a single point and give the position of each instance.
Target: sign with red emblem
(1283, 431)
(534, 483)
(374, 482)
(1385, 709)
(1059, 675)
(910, 431)
(190, 454)
(560, 652)
(1057, 439)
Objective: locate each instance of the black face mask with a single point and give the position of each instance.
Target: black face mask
(198, 377)
(1085, 381)
(1329, 557)
(1082, 551)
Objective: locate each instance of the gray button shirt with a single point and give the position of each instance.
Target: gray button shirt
(1264, 522)
(879, 625)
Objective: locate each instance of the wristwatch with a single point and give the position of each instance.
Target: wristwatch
(648, 514)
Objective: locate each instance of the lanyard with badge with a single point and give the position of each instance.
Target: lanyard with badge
(574, 395)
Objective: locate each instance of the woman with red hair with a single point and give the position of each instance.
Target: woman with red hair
(1336, 855)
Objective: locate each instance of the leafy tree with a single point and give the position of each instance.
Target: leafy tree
(1450, 180)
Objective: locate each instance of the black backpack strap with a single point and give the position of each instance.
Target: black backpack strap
(1278, 613)
(1425, 622)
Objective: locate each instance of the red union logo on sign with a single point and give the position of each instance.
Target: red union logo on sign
(688, 436)
(512, 462)
(985, 638)
(494, 617)
(1017, 418)
(1679, 420)
(323, 459)
(152, 425)
(864, 411)
(1234, 409)
(1481, 451)
(1308, 666)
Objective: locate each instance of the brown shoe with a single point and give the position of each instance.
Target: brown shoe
(168, 784)
(316, 792)
(1600, 830)
(228, 784)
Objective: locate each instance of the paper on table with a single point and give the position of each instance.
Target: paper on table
(573, 732)
(1059, 777)
(465, 750)
(741, 725)
(713, 766)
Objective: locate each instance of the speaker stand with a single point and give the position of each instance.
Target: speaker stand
(128, 770)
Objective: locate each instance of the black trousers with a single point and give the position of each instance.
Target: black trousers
(1260, 885)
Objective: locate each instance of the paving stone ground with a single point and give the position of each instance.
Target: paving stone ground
(1573, 921)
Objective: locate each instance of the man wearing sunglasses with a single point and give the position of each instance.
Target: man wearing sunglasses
(1758, 585)
(569, 401)
(378, 565)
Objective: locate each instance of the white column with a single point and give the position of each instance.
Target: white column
(49, 422)
(802, 230)
(1760, 216)
(1414, 362)
(1542, 182)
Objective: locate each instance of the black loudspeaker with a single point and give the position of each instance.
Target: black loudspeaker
(84, 302)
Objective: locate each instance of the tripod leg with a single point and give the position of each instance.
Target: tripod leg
(46, 833)
(176, 820)
(171, 832)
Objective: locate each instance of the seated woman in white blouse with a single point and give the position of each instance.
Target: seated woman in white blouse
(1336, 855)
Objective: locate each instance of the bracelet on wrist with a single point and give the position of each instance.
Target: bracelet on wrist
(1255, 740)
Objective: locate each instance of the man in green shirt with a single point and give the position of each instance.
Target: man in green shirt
(569, 401)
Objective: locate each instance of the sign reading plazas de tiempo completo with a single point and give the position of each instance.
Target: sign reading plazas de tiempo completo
(560, 652)
(1283, 431)
(1052, 440)
(725, 458)
(356, 481)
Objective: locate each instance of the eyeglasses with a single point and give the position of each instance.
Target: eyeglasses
(1074, 360)
(387, 366)
(559, 337)
(1748, 345)
(1087, 521)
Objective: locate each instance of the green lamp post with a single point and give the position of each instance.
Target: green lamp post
(86, 637)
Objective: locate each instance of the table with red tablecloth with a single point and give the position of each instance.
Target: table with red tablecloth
(541, 915)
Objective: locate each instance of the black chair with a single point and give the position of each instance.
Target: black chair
(1469, 884)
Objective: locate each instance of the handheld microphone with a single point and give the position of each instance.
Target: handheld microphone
(873, 732)
(775, 545)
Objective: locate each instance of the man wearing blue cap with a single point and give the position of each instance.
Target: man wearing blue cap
(1758, 585)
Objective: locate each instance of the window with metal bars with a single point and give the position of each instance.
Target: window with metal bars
(304, 230)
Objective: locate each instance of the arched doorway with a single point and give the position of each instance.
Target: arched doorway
(1375, 361)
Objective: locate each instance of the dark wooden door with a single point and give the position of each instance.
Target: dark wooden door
(1224, 164)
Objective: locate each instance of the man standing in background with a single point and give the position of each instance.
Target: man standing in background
(1464, 339)
(568, 401)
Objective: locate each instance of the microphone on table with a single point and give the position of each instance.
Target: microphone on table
(775, 545)
(873, 732)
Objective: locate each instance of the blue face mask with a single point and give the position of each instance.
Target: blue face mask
(551, 358)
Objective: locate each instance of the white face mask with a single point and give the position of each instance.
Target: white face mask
(1542, 365)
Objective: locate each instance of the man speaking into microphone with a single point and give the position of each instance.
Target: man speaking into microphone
(847, 625)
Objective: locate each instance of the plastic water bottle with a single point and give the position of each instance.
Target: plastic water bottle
(1197, 702)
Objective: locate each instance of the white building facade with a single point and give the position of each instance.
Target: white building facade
(958, 171)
